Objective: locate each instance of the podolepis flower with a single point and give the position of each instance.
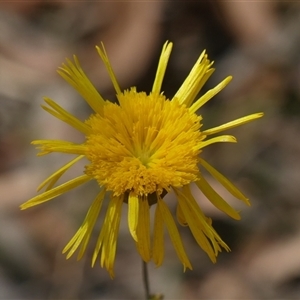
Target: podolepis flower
(138, 150)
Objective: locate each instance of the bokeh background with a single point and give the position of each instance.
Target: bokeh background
(256, 42)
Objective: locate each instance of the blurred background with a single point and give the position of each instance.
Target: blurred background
(256, 42)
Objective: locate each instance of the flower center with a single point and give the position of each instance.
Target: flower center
(144, 145)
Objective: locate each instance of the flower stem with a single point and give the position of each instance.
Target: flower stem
(146, 281)
(146, 285)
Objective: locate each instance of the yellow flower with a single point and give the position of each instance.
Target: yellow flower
(138, 150)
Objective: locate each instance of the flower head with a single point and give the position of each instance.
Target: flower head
(138, 150)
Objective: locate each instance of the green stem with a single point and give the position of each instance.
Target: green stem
(146, 281)
(146, 285)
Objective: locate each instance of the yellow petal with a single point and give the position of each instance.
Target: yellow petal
(58, 112)
(91, 219)
(158, 238)
(180, 216)
(75, 76)
(216, 199)
(75, 241)
(233, 124)
(82, 236)
(224, 181)
(51, 180)
(104, 57)
(195, 222)
(107, 240)
(209, 94)
(59, 190)
(111, 239)
(207, 224)
(194, 81)
(199, 224)
(162, 65)
(218, 139)
(133, 214)
(174, 234)
(49, 146)
(143, 231)
(105, 231)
